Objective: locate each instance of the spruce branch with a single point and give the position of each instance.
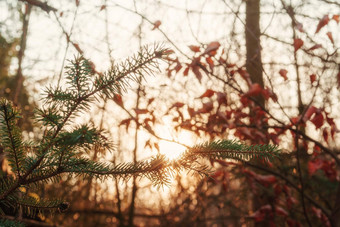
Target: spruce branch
(224, 149)
(62, 105)
(11, 136)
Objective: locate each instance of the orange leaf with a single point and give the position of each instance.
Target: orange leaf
(208, 93)
(210, 63)
(330, 36)
(336, 18)
(316, 46)
(322, 23)
(283, 73)
(102, 7)
(194, 48)
(118, 99)
(186, 71)
(126, 122)
(141, 111)
(156, 24)
(211, 48)
(297, 44)
(312, 78)
(177, 105)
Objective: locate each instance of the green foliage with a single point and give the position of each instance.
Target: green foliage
(223, 149)
(10, 223)
(63, 150)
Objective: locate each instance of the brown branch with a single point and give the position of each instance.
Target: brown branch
(42, 5)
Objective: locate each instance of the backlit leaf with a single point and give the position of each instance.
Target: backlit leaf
(322, 23)
(298, 43)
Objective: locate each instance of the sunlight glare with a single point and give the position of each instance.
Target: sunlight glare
(170, 149)
(173, 150)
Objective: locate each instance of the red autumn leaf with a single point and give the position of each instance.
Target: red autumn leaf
(277, 189)
(312, 78)
(208, 93)
(318, 120)
(186, 71)
(178, 67)
(283, 73)
(329, 170)
(258, 216)
(147, 144)
(322, 23)
(268, 93)
(177, 105)
(194, 48)
(254, 90)
(280, 211)
(261, 213)
(207, 107)
(118, 99)
(221, 98)
(211, 48)
(150, 100)
(325, 134)
(336, 18)
(311, 110)
(293, 223)
(196, 71)
(291, 201)
(314, 165)
(126, 122)
(265, 180)
(102, 7)
(141, 111)
(210, 63)
(191, 112)
(297, 44)
(330, 36)
(156, 24)
(316, 46)
(245, 75)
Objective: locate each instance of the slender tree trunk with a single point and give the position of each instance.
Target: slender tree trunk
(254, 65)
(252, 32)
(19, 77)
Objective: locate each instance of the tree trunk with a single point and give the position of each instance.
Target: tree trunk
(252, 32)
(254, 65)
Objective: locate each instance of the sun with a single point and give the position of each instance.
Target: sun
(171, 150)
